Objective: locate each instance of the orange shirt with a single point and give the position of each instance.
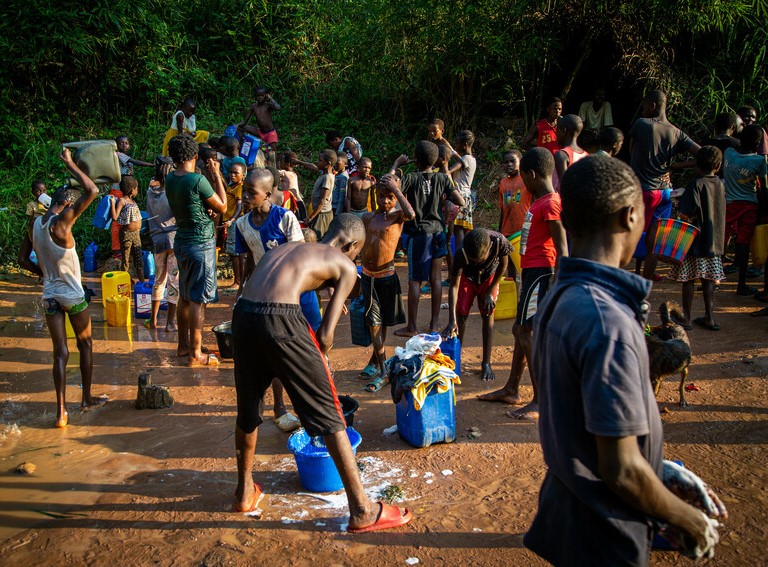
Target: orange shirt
(514, 202)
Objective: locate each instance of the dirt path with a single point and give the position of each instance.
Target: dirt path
(126, 487)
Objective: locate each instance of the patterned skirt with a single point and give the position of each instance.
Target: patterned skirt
(694, 268)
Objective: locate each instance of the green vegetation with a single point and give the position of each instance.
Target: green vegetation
(377, 69)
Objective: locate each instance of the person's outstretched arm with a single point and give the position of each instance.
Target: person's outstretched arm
(90, 191)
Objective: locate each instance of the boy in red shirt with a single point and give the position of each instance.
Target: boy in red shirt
(514, 201)
(542, 244)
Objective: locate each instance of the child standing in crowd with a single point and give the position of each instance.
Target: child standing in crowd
(127, 215)
(126, 161)
(234, 193)
(380, 284)
(231, 155)
(265, 227)
(542, 245)
(351, 148)
(477, 271)
(424, 190)
(361, 198)
(184, 122)
(322, 214)
(744, 171)
(436, 129)
(568, 129)
(703, 205)
(463, 173)
(340, 183)
(289, 181)
(162, 229)
(514, 201)
(36, 208)
(262, 109)
(543, 134)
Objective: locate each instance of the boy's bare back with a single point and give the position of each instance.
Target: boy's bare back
(289, 270)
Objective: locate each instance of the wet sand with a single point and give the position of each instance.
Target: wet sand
(121, 486)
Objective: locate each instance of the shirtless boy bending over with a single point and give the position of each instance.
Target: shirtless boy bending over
(272, 339)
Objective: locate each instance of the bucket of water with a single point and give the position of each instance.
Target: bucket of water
(317, 470)
(673, 240)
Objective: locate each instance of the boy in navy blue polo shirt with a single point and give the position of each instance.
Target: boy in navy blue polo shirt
(599, 424)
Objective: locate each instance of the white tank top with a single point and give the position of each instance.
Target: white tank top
(60, 266)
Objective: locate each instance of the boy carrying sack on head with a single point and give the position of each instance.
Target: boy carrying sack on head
(381, 285)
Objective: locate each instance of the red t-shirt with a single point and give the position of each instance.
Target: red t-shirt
(546, 136)
(514, 202)
(536, 244)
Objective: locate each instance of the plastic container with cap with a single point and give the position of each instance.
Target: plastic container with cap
(118, 311)
(506, 303)
(102, 218)
(89, 258)
(97, 159)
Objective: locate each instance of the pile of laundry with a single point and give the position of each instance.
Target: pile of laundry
(421, 367)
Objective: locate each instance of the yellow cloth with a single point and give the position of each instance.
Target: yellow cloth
(433, 375)
(201, 136)
(234, 194)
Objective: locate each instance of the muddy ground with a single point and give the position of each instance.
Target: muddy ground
(121, 486)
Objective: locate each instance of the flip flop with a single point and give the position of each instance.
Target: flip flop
(390, 516)
(376, 384)
(368, 372)
(211, 360)
(258, 496)
(701, 322)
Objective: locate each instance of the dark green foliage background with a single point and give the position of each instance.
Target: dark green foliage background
(88, 69)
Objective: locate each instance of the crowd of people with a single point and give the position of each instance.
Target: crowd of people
(575, 213)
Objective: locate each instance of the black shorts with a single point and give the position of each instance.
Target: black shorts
(274, 340)
(534, 286)
(383, 301)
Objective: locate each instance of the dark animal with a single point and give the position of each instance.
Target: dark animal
(668, 348)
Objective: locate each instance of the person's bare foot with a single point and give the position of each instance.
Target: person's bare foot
(502, 396)
(62, 420)
(150, 324)
(406, 332)
(487, 374)
(528, 412)
(170, 328)
(93, 402)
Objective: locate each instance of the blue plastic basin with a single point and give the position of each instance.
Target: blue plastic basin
(317, 470)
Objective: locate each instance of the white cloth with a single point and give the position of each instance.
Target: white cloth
(190, 124)
(60, 266)
(594, 119)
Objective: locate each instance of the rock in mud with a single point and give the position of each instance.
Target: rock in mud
(26, 468)
(152, 396)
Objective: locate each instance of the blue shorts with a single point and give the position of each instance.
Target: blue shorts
(310, 308)
(197, 271)
(424, 247)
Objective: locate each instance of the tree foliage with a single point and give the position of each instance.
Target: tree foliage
(72, 69)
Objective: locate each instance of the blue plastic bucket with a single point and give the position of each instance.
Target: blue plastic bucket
(317, 470)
